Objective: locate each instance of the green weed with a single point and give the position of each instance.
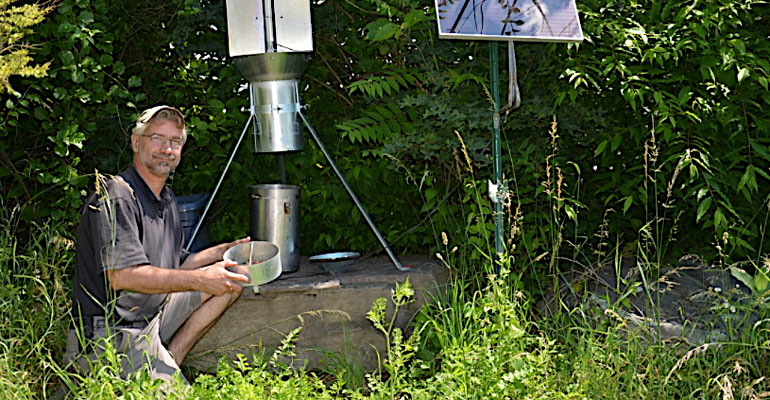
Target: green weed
(34, 304)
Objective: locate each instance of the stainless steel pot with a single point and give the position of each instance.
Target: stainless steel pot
(275, 217)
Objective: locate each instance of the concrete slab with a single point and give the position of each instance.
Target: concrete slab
(330, 309)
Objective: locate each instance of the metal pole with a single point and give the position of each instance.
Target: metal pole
(282, 168)
(498, 170)
(216, 189)
(253, 112)
(352, 195)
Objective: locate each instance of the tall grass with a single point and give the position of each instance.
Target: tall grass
(34, 306)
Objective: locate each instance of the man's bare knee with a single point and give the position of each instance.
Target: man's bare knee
(205, 297)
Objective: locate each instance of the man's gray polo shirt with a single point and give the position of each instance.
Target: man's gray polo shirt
(123, 226)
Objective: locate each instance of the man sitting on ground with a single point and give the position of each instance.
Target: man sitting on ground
(134, 283)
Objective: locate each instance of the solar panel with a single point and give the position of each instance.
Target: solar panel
(518, 20)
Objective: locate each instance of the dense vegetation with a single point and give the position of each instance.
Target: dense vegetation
(650, 139)
(662, 105)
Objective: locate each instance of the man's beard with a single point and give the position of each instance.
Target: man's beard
(162, 164)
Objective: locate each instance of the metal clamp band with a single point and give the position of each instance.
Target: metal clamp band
(277, 108)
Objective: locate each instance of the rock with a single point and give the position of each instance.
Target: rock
(330, 309)
(692, 301)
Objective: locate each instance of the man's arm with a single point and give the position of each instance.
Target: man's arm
(210, 255)
(213, 279)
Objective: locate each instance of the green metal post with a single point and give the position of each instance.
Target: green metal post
(498, 170)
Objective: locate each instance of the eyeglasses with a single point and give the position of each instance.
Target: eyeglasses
(176, 144)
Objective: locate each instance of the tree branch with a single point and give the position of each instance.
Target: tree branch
(6, 161)
(326, 85)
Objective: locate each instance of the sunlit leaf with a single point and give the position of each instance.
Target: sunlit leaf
(600, 148)
(571, 212)
(627, 203)
(743, 73)
(702, 208)
(741, 275)
(761, 280)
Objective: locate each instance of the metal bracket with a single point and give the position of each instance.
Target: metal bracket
(277, 108)
(499, 193)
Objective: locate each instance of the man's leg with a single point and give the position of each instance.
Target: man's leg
(134, 347)
(199, 322)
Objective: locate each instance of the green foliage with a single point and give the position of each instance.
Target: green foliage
(15, 23)
(691, 81)
(86, 93)
(387, 84)
(379, 124)
(648, 139)
(664, 107)
(400, 349)
(256, 380)
(404, 104)
(476, 339)
(757, 282)
(484, 348)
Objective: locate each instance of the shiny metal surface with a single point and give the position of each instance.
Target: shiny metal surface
(337, 262)
(275, 217)
(337, 256)
(272, 66)
(245, 27)
(260, 260)
(252, 23)
(293, 28)
(275, 105)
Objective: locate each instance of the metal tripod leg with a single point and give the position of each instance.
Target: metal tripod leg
(221, 178)
(353, 195)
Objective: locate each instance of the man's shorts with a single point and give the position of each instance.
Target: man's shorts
(140, 345)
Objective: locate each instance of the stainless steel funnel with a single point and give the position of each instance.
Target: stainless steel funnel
(270, 42)
(272, 66)
(274, 90)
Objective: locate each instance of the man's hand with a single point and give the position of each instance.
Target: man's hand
(222, 248)
(210, 255)
(217, 280)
